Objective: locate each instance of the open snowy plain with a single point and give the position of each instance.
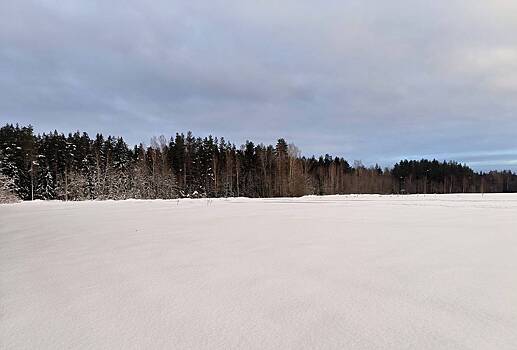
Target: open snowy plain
(336, 272)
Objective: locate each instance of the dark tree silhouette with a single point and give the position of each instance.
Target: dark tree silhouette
(76, 167)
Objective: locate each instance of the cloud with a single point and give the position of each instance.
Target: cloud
(362, 79)
(495, 67)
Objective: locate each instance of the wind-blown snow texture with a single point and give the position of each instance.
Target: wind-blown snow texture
(341, 272)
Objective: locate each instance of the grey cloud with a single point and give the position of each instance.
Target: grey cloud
(366, 80)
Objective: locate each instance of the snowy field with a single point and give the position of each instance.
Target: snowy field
(336, 272)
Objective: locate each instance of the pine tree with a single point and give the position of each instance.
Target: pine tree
(46, 188)
(7, 190)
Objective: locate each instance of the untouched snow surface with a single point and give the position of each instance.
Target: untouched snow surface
(336, 272)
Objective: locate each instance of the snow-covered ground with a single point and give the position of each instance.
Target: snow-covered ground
(336, 272)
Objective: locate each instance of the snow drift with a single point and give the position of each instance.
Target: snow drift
(336, 272)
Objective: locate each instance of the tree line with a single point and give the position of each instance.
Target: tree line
(77, 167)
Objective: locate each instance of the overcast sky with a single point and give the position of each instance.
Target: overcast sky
(370, 80)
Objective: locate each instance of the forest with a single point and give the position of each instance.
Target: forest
(76, 167)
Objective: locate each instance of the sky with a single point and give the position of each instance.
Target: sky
(367, 80)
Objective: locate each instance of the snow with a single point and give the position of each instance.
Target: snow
(335, 272)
